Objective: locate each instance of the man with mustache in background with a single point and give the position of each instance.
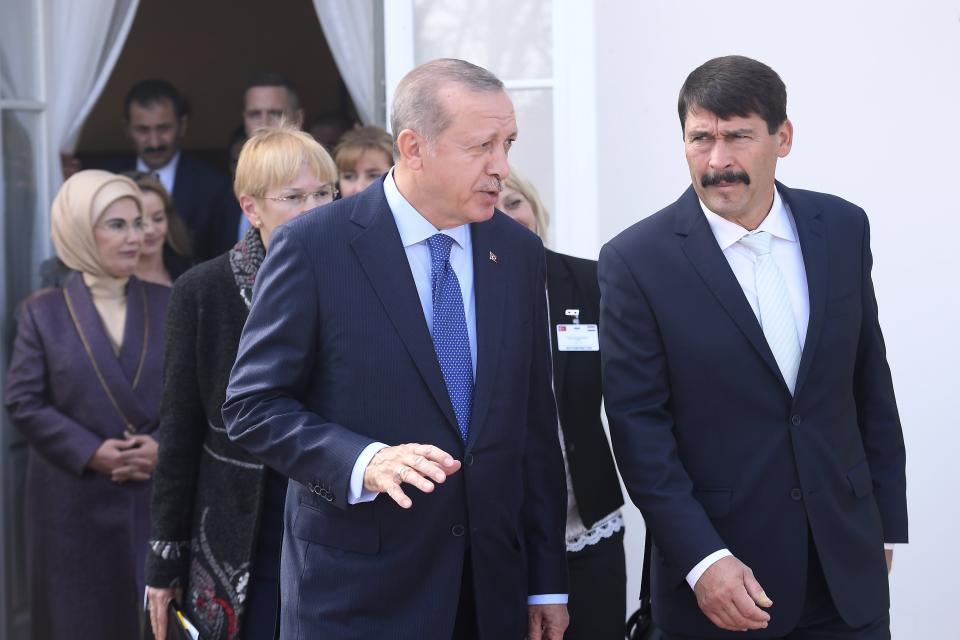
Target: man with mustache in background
(745, 376)
(155, 121)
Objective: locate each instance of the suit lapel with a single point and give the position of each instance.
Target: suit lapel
(813, 245)
(489, 283)
(561, 291)
(381, 254)
(701, 248)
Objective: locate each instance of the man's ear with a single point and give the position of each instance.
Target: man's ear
(784, 139)
(297, 119)
(411, 147)
(184, 121)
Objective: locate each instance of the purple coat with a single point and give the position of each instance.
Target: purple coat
(67, 392)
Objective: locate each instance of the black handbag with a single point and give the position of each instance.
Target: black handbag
(640, 624)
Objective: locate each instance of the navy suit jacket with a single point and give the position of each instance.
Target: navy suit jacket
(713, 448)
(336, 354)
(205, 201)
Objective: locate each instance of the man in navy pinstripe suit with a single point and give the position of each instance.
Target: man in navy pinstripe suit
(396, 366)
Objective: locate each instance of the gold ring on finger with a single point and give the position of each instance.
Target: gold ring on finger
(402, 472)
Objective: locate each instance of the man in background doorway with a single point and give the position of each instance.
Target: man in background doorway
(268, 99)
(155, 118)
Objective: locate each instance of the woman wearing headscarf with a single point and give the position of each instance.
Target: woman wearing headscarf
(84, 389)
(217, 511)
(165, 250)
(595, 555)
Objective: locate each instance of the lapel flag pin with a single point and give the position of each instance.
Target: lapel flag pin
(493, 258)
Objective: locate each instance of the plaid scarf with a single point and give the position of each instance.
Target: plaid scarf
(245, 260)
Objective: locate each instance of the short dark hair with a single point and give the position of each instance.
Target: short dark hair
(735, 86)
(147, 92)
(273, 79)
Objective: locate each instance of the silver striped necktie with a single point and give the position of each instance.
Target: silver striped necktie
(776, 313)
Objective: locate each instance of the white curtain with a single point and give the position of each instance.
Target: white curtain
(84, 42)
(349, 30)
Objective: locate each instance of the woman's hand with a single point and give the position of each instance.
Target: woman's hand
(111, 454)
(158, 603)
(141, 462)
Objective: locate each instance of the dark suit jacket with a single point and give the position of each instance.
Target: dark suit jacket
(204, 199)
(713, 448)
(336, 355)
(572, 284)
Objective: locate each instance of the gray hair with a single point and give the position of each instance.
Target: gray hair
(415, 103)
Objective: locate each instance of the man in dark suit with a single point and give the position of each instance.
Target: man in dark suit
(155, 120)
(751, 405)
(395, 365)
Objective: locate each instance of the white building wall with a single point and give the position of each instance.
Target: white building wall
(873, 95)
(513, 40)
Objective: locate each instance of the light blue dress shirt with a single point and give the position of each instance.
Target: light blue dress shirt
(414, 231)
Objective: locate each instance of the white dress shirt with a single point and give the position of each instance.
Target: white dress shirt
(167, 174)
(786, 253)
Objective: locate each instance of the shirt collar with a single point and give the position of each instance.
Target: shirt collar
(166, 174)
(411, 224)
(777, 223)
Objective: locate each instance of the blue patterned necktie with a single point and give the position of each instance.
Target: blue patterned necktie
(450, 339)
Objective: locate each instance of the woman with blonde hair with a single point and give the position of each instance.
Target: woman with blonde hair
(84, 389)
(595, 556)
(217, 511)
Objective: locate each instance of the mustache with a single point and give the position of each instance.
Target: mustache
(496, 184)
(155, 150)
(716, 177)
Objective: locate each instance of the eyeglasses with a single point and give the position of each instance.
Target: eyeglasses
(323, 195)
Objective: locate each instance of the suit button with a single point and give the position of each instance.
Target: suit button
(571, 447)
(468, 459)
(458, 530)
(795, 420)
(796, 493)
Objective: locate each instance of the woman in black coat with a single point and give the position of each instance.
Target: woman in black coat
(595, 556)
(217, 511)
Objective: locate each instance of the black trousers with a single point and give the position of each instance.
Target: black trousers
(598, 591)
(820, 619)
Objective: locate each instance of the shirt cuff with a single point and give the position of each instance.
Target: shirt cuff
(705, 564)
(889, 545)
(356, 493)
(548, 598)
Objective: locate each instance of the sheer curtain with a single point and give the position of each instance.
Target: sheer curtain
(84, 42)
(349, 30)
